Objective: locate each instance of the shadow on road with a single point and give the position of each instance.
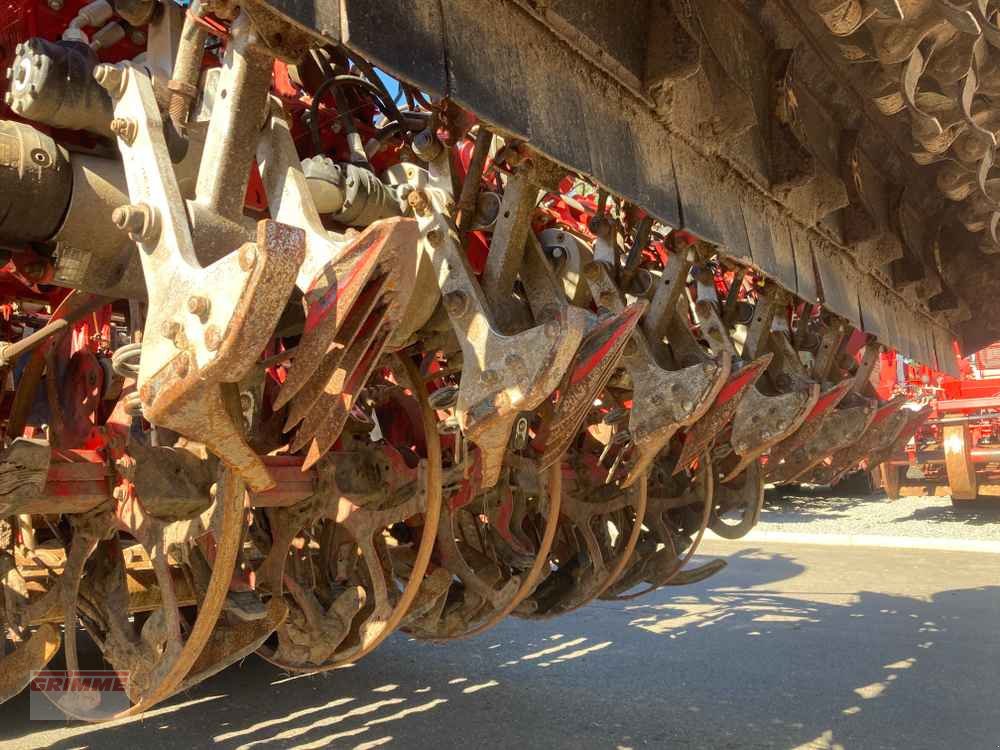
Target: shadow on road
(747, 659)
(971, 513)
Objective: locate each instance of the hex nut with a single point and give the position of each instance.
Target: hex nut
(200, 306)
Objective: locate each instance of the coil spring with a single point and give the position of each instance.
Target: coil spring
(125, 362)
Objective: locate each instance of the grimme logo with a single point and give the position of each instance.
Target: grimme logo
(77, 694)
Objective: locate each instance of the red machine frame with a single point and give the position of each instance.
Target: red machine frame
(957, 450)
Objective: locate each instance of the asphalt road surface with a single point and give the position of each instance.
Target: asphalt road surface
(789, 647)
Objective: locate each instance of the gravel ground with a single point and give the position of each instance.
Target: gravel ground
(819, 511)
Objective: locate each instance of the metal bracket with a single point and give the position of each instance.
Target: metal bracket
(206, 325)
(663, 401)
(841, 427)
(889, 421)
(356, 290)
(501, 375)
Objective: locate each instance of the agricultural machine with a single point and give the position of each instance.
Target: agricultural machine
(323, 319)
(956, 451)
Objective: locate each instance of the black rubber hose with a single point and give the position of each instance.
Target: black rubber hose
(398, 120)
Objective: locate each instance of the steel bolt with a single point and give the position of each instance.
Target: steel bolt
(169, 329)
(181, 365)
(426, 145)
(200, 306)
(150, 233)
(213, 338)
(139, 220)
(127, 219)
(55, 4)
(125, 128)
(248, 257)
(456, 303)
(417, 200)
(111, 77)
(687, 406)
